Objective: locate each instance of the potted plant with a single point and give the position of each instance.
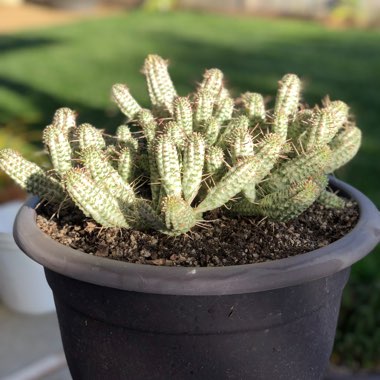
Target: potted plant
(219, 196)
(32, 295)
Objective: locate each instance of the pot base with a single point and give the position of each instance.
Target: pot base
(285, 333)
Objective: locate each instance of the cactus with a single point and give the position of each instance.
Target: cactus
(192, 154)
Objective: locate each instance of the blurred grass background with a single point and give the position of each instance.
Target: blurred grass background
(75, 66)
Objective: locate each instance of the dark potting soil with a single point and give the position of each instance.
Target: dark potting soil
(222, 240)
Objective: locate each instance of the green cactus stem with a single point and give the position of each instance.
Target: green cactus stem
(238, 123)
(323, 125)
(244, 172)
(148, 124)
(179, 216)
(105, 175)
(344, 147)
(126, 103)
(145, 217)
(183, 114)
(282, 205)
(212, 82)
(168, 166)
(299, 125)
(214, 160)
(31, 177)
(125, 165)
(298, 169)
(204, 106)
(286, 105)
(253, 106)
(176, 133)
(240, 144)
(126, 139)
(229, 185)
(64, 119)
(56, 140)
(160, 86)
(87, 135)
(93, 199)
(193, 161)
(211, 129)
(331, 200)
(224, 109)
(155, 186)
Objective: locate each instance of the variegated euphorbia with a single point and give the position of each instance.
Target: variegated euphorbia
(167, 166)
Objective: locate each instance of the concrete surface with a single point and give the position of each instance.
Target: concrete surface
(30, 346)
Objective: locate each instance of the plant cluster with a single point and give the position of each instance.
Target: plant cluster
(167, 166)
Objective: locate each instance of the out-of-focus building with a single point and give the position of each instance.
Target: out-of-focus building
(367, 11)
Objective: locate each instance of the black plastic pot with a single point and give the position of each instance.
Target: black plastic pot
(268, 321)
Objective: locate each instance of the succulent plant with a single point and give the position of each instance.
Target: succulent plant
(192, 155)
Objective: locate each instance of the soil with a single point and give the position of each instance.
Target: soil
(225, 241)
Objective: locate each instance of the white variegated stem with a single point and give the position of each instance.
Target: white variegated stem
(64, 119)
(344, 147)
(282, 205)
(179, 216)
(240, 122)
(299, 125)
(105, 175)
(240, 144)
(224, 93)
(160, 86)
(287, 204)
(31, 177)
(267, 154)
(249, 192)
(298, 169)
(93, 199)
(229, 185)
(214, 160)
(146, 217)
(211, 130)
(286, 105)
(193, 161)
(57, 143)
(331, 200)
(224, 109)
(204, 105)
(125, 165)
(183, 114)
(212, 82)
(340, 112)
(155, 187)
(323, 126)
(148, 124)
(253, 105)
(87, 136)
(125, 101)
(176, 133)
(126, 139)
(168, 166)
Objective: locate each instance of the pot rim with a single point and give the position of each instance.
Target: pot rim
(202, 281)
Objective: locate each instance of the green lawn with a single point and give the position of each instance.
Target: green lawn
(76, 65)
